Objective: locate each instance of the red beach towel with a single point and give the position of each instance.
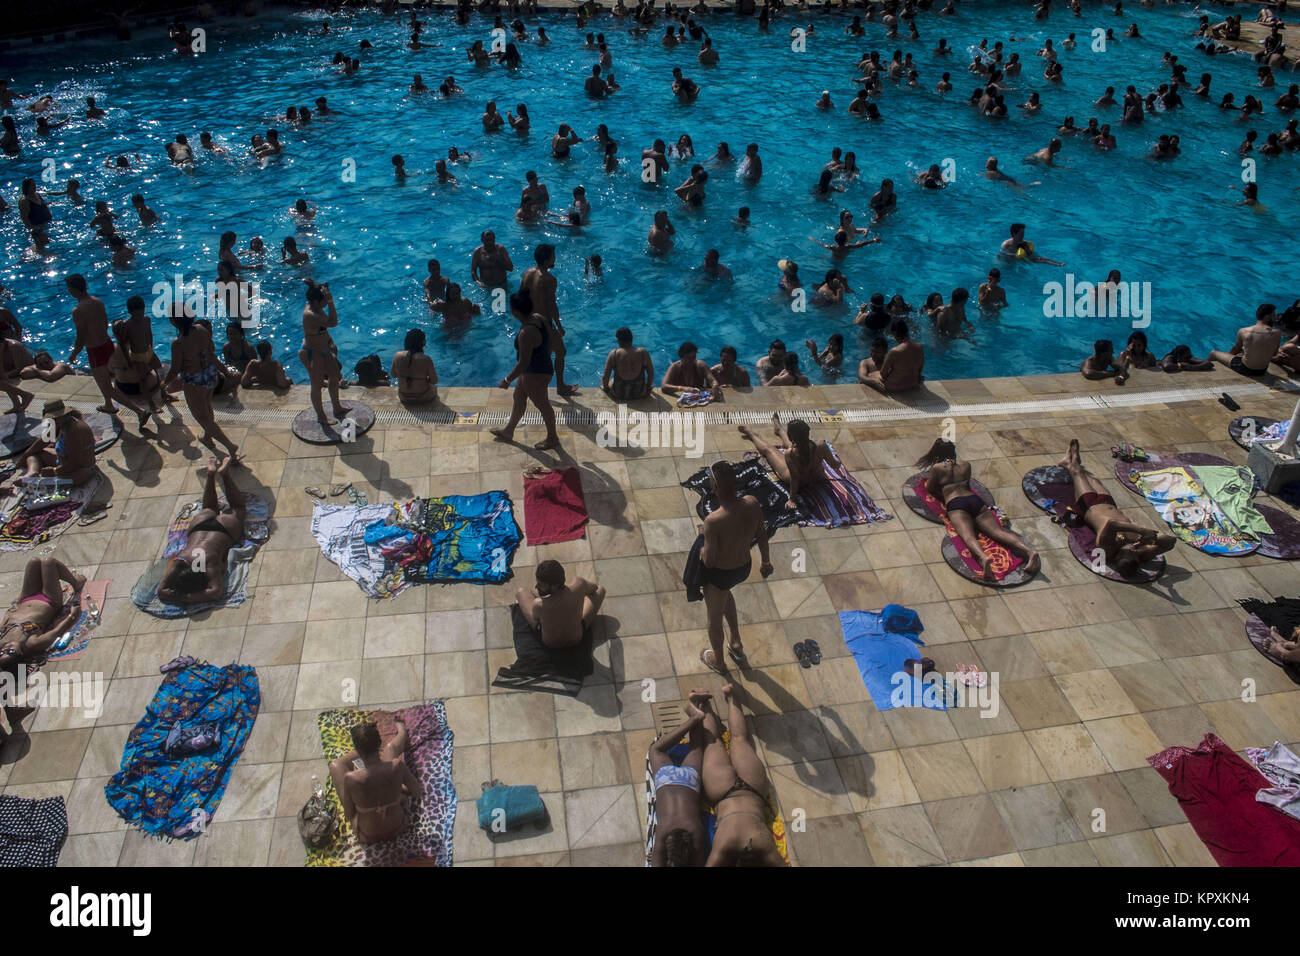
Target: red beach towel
(554, 509)
(1216, 790)
(1004, 562)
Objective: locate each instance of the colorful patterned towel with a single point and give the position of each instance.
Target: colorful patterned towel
(387, 548)
(427, 836)
(707, 811)
(172, 797)
(1003, 561)
(74, 641)
(1192, 515)
(257, 515)
(31, 831)
(21, 529)
(751, 479)
(839, 500)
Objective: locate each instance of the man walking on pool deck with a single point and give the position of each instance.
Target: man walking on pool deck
(1124, 544)
(91, 321)
(1255, 346)
(538, 282)
(730, 531)
(561, 613)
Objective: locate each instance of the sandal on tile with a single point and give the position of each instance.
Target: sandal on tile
(803, 657)
(315, 492)
(814, 652)
(338, 489)
(704, 659)
(738, 656)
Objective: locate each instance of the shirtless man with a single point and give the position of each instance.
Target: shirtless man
(727, 373)
(490, 263)
(681, 839)
(1102, 364)
(435, 283)
(594, 86)
(658, 153)
(197, 575)
(540, 285)
(562, 614)
(730, 530)
(374, 784)
(629, 372)
(1018, 248)
(736, 783)
(992, 297)
(688, 373)
(948, 479)
(661, 233)
(1125, 544)
(902, 367)
(91, 321)
(773, 363)
(1255, 346)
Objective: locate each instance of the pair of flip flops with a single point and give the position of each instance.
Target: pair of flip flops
(807, 653)
(95, 511)
(334, 492)
(971, 676)
(737, 657)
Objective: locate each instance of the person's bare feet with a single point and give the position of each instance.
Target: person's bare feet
(326, 421)
(776, 425)
(341, 412)
(987, 565)
(1033, 562)
(746, 431)
(225, 464)
(106, 409)
(1071, 455)
(732, 690)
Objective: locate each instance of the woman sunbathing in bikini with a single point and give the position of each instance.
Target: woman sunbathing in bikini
(30, 628)
(737, 786)
(948, 479)
(682, 840)
(374, 784)
(797, 460)
(198, 574)
(1125, 544)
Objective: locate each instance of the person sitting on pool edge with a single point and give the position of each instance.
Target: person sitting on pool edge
(629, 370)
(197, 575)
(264, 371)
(903, 365)
(689, 374)
(374, 784)
(1124, 544)
(562, 614)
(1103, 364)
(413, 371)
(1255, 346)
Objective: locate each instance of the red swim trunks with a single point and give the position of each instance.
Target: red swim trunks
(100, 354)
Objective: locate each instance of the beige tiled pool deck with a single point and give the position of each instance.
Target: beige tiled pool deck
(1095, 676)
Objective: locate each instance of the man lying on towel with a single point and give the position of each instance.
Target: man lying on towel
(561, 614)
(948, 479)
(1125, 544)
(374, 784)
(31, 626)
(197, 575)
(70, 452)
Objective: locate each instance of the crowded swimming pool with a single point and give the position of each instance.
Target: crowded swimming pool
(1173, 224)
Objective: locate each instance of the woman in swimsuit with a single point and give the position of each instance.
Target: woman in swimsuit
(318, 354)
(681, 838)
(71, 453)
(197, 575)
(736, 784)
(417, 380)
(948, 479)
(374, 784)
(194, 361)
(31, 626)
(797, 460)
(533, 370)
(130, 376)
(32, 207)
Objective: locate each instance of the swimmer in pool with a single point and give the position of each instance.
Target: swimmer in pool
(1047, 155)
(841, 247)
(661, 233)
(1017, 247)
(1103, 364)
(992, 297)
(490, 264)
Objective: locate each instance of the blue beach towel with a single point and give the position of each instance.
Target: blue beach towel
(880, 641)
(176, 797)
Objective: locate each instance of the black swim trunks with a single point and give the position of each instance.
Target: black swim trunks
(1242, 368)
(724, 579)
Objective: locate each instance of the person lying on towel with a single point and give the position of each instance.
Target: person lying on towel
(736, 783)
(31, 626)
(682, 839)
(374, 784)
(197, 575)
(1125, 544)
(561, 613)
(70, 451)
(948, 479)
(1287, 651)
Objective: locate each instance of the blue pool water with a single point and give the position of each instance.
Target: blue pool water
(1171, 224)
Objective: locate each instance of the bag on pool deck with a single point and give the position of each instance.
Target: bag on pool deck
(370, 373)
